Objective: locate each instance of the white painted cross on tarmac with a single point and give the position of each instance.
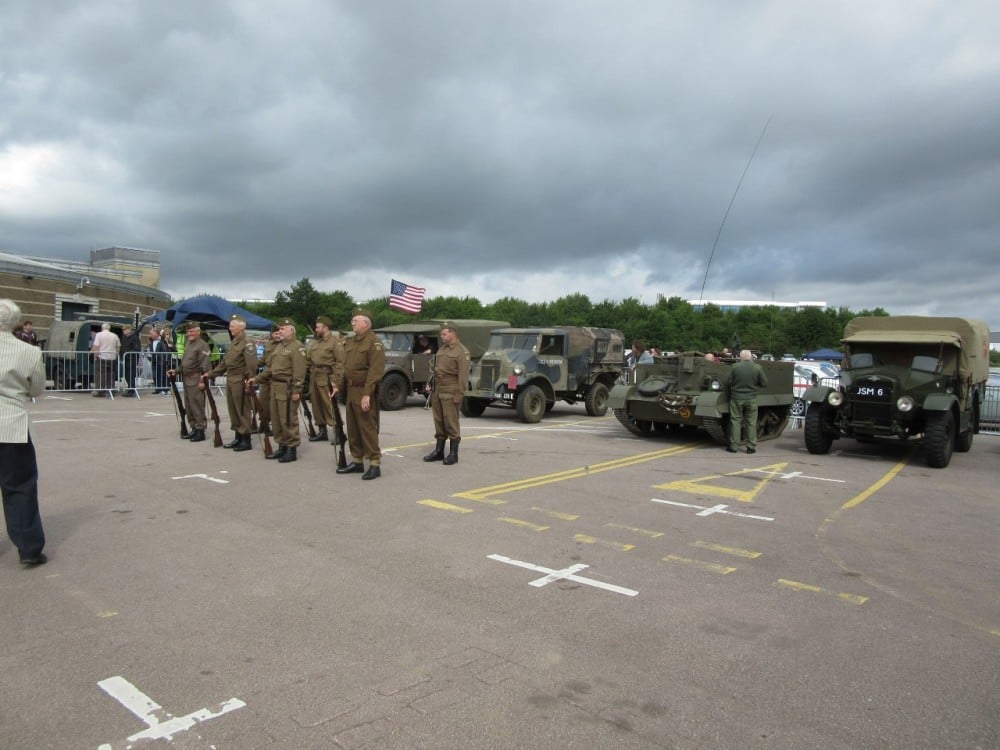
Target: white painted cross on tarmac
(566, 574)
(161, 724)
(703, 511)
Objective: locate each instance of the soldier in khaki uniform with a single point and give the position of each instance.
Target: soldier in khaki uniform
(326, 356)
(239, 364)
(286, 373)
(451, 378)
(265, 388)
(195, 363)
(364, 363)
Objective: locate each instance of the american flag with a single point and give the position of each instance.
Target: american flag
(406, 297)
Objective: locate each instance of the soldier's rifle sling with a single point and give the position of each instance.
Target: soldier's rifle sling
(217, 438)
(179, 407)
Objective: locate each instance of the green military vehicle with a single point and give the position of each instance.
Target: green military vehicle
(408, 368)
(905, 376)
(689, 391)
(68, 362)
(529, 369)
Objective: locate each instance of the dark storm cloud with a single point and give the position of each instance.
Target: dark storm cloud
(572, 146)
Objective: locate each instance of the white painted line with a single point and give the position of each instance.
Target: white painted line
(713, 510)
(796, 475)
(46, 421)
(160, 724)
(566, 574)
(56, 398)
(203, 476)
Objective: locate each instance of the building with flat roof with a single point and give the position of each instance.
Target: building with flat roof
(734, 305)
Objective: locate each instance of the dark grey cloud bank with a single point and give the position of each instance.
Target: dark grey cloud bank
(527, 149)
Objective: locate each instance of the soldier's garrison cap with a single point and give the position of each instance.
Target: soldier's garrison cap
(448, 326)
(286, 322)
(274, 327)
(238, 318)
(187, 325)
(363, 313)
(325, 320)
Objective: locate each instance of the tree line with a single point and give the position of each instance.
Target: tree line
(669, 324)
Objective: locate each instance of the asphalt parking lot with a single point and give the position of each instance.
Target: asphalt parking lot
(566, 584)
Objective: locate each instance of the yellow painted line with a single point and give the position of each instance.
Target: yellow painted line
(735, 551)
(107, 614)
(501, 433)
(557, 514)
(860, 498)
(798, 586)
(526, 524)
(713, 567)
(482, 493)
(702, 485)
(995, 632)
(643, 532)
(587, 539)
(444, 506)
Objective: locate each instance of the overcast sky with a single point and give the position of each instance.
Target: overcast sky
(524, 149)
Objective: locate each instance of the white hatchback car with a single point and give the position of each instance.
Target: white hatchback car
(808, 373)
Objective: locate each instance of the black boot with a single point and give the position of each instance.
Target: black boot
(197, 436)
(236, 441)
(321, 435)
(355, 467)
(243, 445)
(452, 457)
(373, 472)
(278, 453)
(437, 454)
(288, 456)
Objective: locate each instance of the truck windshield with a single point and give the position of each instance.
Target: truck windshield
(523, 341)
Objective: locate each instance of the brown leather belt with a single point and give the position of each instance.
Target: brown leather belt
(356, 383)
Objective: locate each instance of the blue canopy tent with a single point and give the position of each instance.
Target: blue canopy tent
(831, 355)
(209, 310)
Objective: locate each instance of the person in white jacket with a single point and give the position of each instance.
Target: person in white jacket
(22, 376)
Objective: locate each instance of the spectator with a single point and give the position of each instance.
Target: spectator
(424, 345)
(131, 346)
(22, 377)
(27, 334)
(640, 355)
(745, 377)
(105, 348)
(159, 349)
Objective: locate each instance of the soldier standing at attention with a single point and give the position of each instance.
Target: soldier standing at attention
(195, 363)
(265, 388)
(326, 355)
(286, 373)
(745, 377)
(239, 364)
(451, 378)
(364, 363)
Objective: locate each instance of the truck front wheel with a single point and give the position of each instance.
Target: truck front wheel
(597, 400)
(818, 440)
(939, 438)
(473, 407)
(530, 404)
(395, 391)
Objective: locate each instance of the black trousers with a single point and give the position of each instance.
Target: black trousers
(19, 482)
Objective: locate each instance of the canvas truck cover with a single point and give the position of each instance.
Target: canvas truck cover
(970, 336)
(581, 339)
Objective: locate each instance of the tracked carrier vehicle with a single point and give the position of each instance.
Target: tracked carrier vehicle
(687, 391)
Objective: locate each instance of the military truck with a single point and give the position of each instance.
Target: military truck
(407, 371)
(689, 391)
(529, 369)
(68, 362)
(902, 377)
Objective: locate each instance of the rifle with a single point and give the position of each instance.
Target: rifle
(265, 426)
(179, 408)
(339, 438)
(310, 428)
(217, 439)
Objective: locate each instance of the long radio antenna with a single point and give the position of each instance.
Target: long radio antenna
(701, 295)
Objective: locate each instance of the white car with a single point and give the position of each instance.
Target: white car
(808, 373)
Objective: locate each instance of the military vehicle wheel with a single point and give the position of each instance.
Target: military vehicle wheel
(964, 442)
(473, 407)
(395, 390)
(640, 427)
(939, 438)
(818, 440)
(530, 404)
(597, 400)
(798, 408)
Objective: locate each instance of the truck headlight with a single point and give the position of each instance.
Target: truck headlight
(905, 403)
(715, 385)
(836, 398)
(519, 369)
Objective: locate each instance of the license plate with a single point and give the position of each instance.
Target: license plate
(879, 393)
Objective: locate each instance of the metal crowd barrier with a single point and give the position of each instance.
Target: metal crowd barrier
(134, 372)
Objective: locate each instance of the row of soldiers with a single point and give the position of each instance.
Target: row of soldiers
(336, 368)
